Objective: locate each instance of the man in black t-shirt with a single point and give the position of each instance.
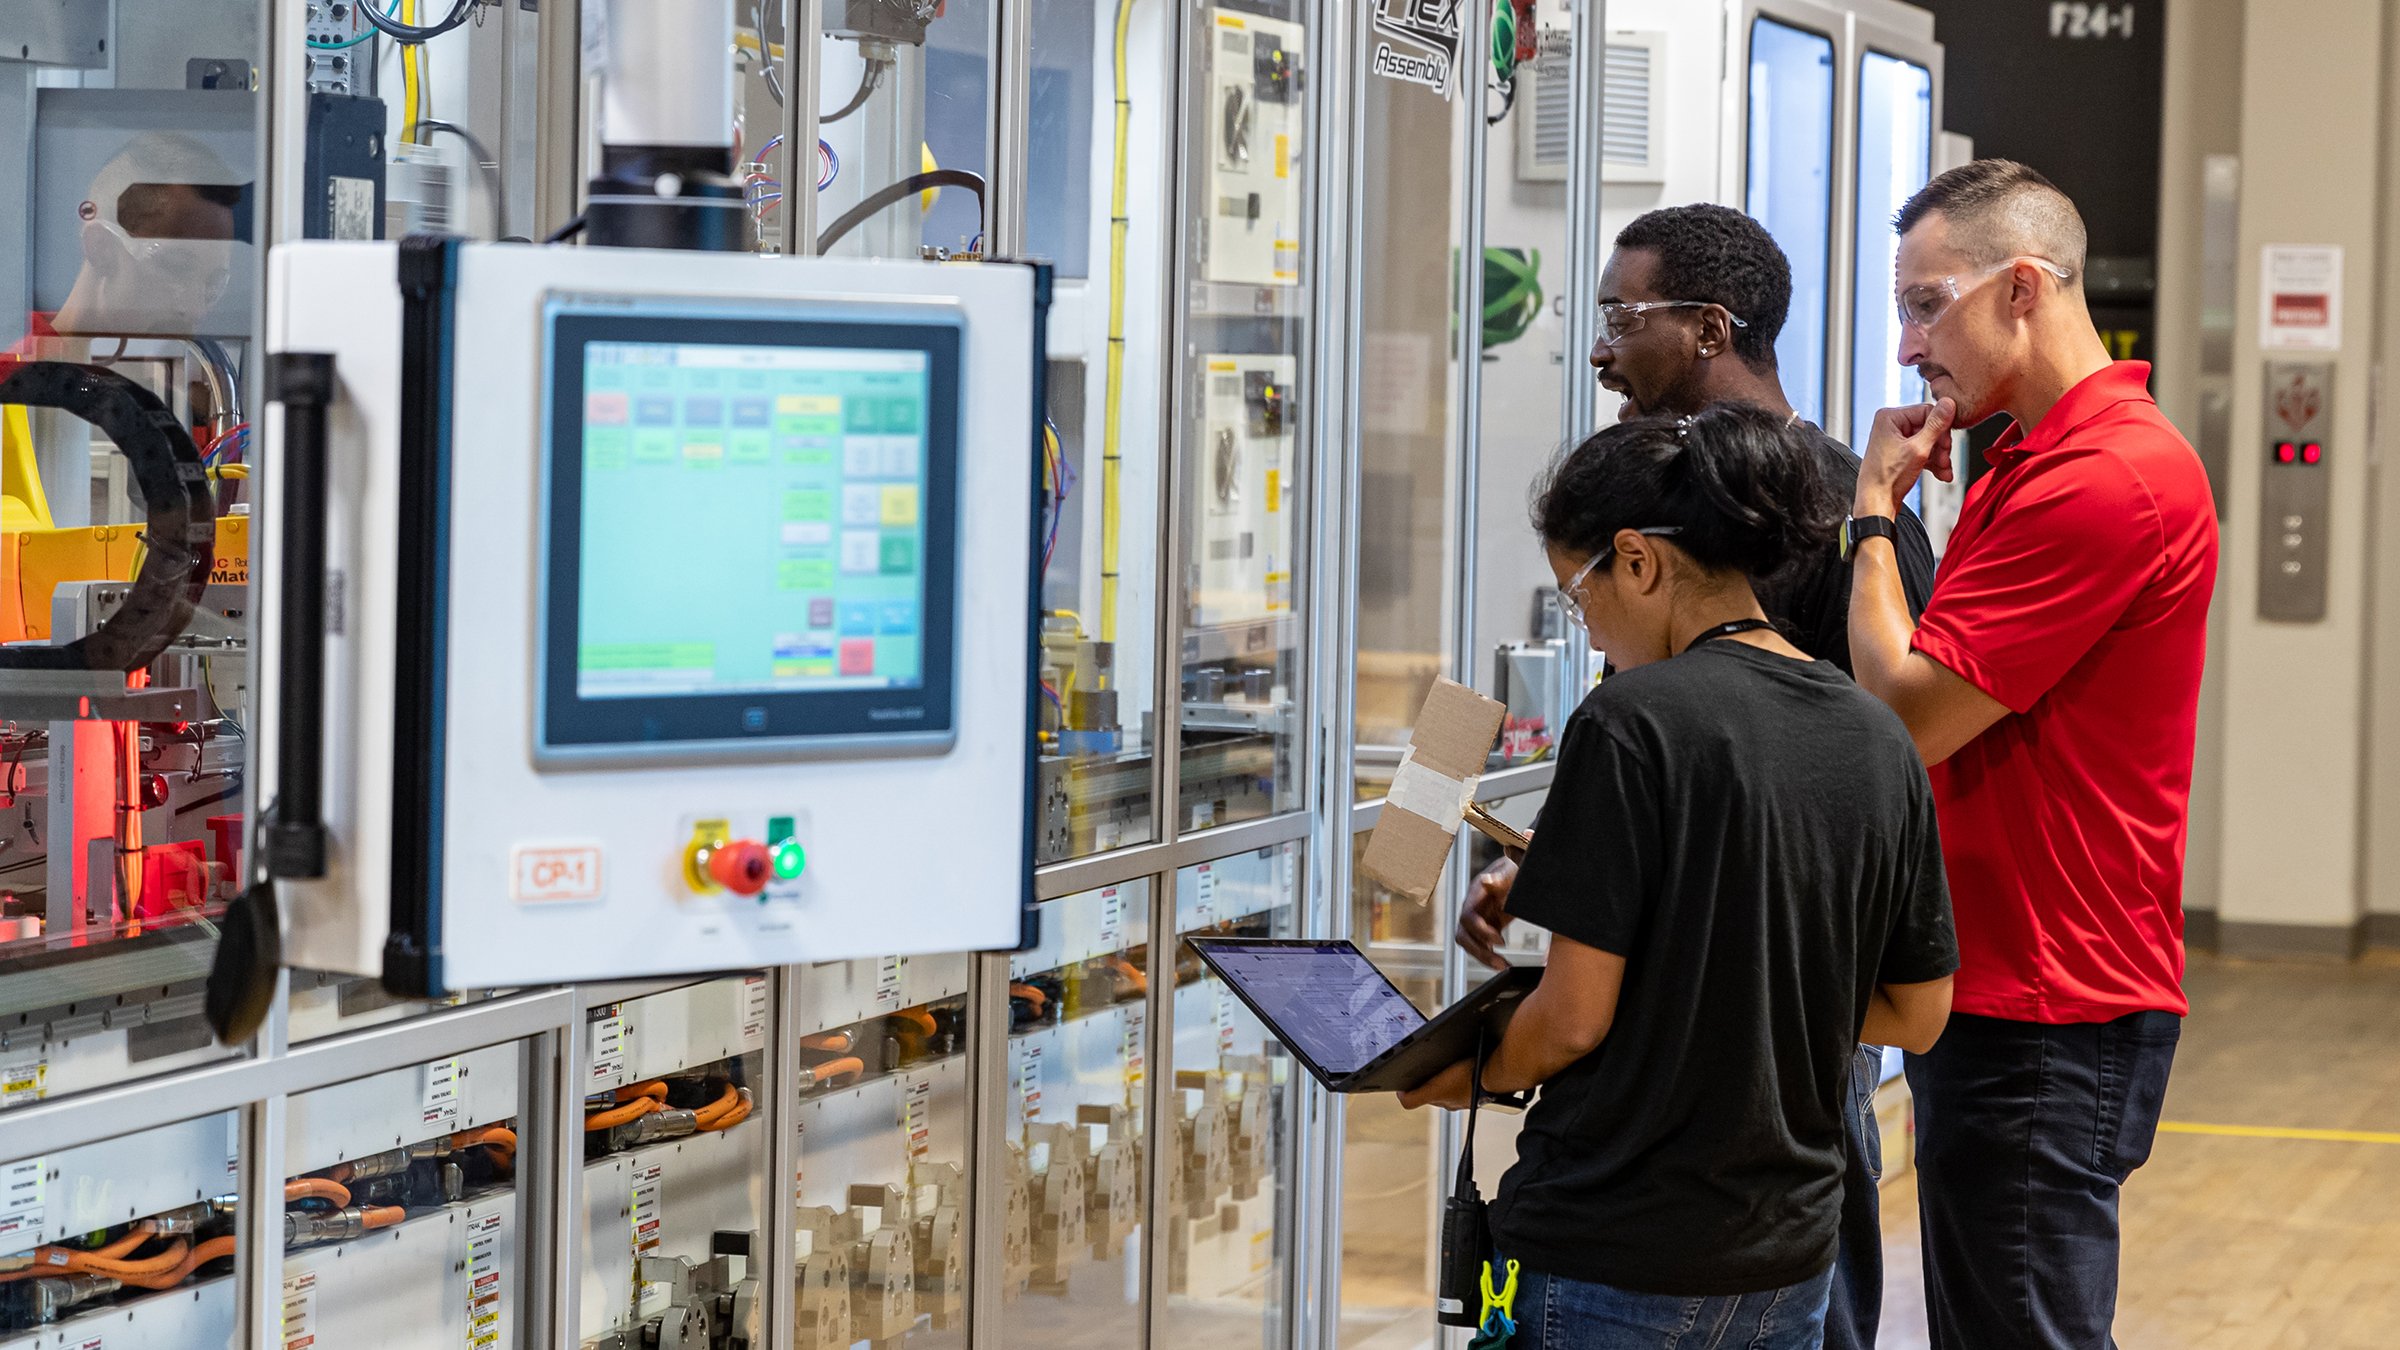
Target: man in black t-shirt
(1691, 303)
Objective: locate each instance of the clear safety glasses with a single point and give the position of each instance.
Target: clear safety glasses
(1572, 593)
(1619, 318)
(1921, 305)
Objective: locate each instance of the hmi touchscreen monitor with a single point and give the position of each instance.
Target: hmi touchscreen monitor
(751, 531)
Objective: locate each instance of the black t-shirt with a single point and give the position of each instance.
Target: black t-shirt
(1810, 600)
(1755, 836)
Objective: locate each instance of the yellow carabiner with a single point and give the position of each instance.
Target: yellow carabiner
(1504, 1302)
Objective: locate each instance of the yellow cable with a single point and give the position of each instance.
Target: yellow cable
(1112, 453)
(408, 75)
(748, 41)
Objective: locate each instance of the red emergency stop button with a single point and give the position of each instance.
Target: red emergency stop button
(742, 866)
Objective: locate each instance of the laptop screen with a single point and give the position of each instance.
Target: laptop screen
(1324, 998)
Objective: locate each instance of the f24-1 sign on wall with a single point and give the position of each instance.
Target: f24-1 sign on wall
(2074, 19)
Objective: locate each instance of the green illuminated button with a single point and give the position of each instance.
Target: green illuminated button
(790, 859)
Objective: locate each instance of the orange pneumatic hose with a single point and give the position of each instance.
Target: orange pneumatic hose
(847, 1067)
(115, 1251)
(71, 1261)
(620, 1115)
(316, 1188)
(381, 1216)
(211, 1250)
(725, 1112)
(501, 1140)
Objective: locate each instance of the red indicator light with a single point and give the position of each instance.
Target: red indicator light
(2284, 453)
(2312, 453)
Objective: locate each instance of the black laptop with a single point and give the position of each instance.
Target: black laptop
(1348, 1024)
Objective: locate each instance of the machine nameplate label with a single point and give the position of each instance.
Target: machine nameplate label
(756, 1008)
(21, 1189)
(555, 874)
(440, 1111)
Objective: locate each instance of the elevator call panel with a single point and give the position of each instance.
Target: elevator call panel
(2294, 495)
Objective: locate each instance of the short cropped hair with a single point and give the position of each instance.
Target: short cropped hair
(1999, 209)
(1717, 254)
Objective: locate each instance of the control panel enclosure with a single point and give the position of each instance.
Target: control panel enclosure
(660, 630)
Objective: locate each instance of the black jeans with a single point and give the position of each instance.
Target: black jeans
(1855, 1309)
(2025, 1132)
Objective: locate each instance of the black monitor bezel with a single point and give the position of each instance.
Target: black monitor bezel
(571, 726)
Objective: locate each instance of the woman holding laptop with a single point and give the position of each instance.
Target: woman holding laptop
(1740, 872)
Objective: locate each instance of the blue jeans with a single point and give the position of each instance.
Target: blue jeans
(2025, 1132)
(1855, 1310)
(1562, 1314)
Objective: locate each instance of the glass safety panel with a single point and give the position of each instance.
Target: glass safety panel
(884, 1154)
(1242, 445)
(1392, 1172)
(1789, 187)
(1099, 180)
(1077, 1090)
(1526, 655)
(675, 1145)
(1414, 187)
(128, 1240)
(131, 152)
(1229, 1205)
(902, 97)
(403, 1220)
(1895, 158)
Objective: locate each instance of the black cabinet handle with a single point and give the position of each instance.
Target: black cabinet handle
(291, 832)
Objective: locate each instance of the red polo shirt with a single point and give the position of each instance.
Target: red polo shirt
(2075, 591)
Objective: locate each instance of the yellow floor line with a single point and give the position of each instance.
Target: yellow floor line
(2280, 1132)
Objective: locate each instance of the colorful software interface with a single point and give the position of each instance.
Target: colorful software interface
(753, 519)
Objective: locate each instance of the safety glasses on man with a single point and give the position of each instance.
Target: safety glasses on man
(1922, 305)
(1618, 318)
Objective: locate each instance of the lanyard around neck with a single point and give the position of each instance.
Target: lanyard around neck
(1726, 630)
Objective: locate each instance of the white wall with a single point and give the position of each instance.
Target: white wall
(2311, 161)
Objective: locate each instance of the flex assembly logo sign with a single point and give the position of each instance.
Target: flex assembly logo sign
(1417, 42)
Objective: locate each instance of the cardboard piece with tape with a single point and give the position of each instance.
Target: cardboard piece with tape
(1432, 789)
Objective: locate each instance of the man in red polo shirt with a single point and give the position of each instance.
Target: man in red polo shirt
(2054, 686)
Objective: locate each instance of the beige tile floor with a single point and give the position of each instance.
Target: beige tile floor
(2251, 1243)
(2231, 1243)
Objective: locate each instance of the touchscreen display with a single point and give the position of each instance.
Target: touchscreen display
(1323, 998)
(753, 519)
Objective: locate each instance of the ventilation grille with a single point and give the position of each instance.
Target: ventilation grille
(1625, 106)
(1545, 110)
(1553, 115)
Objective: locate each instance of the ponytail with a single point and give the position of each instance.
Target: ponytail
(1741, 487)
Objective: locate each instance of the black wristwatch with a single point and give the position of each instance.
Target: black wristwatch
(1859, 529)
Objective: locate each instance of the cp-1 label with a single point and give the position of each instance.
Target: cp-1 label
(555, 874)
